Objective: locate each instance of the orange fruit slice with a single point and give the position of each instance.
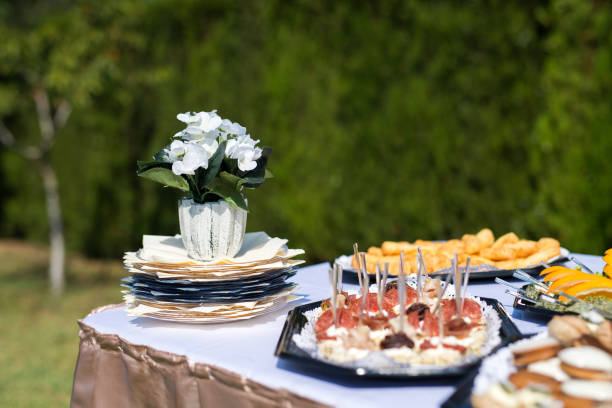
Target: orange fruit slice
(591, 288)
(552, 269)
(560, 273)
(571, 280)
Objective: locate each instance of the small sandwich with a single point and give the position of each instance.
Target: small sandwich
(535, 350)
(587, 362)
(526, 378)
(583, 393)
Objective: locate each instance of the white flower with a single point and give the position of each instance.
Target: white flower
(231, 128)
(188, 117)
(247, 157)
(243, 149)
(200, 140)
(209, 144)
(195, 156)
(199, 125)
(176, 150)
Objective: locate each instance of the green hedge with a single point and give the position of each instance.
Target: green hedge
(388, 120)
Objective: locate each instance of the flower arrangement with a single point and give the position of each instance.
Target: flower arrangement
(211, 159)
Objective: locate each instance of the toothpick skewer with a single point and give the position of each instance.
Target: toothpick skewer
(440, 294)
(333, 280)
(385, 276)
(466, 280)
(364, 296)
(401, 287)
(440, 325)
(356, 252)
(457, 282)
(420, 253)
(420, 266)
(379, 289)
(340, 271)
(366, 286)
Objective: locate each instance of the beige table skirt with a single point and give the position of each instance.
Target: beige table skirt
(111, 372)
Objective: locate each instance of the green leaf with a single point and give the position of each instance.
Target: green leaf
(146, 165)
(214, 165)
(232, 179)
(226, 187)
(162, 156)
(164, 176)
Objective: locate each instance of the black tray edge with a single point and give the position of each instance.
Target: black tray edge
(351, 273)
(509, 333)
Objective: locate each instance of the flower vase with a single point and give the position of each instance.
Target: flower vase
(211, 230)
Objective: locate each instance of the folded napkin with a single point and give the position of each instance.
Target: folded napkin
(256, 246)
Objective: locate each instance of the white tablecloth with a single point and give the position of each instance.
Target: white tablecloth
(247, 348)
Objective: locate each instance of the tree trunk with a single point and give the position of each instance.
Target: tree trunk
(56, 229)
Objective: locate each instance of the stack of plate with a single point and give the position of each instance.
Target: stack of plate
(166, 284)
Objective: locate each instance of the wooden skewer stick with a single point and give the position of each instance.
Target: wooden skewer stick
(401, 287)
(333, 280)
(340, 271)
(364, 296)
(466, 279)
(420, 266)
(440, 323)
(420, 253)
(446, 283)
(356, 252)
(379, 289)
(457, 282)
(385, 276)
(365, 275)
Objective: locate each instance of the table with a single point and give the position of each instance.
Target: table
(130, 361)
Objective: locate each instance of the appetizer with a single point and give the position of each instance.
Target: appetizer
(569, 365)
(422, 321)
(506, 252)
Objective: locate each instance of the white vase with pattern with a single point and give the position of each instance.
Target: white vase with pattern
(211, 230)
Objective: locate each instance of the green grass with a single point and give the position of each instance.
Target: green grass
(38, 332)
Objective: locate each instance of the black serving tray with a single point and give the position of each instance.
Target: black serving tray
(351, 274)
(461, 397)
(286, 349)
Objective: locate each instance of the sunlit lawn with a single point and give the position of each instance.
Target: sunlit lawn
(38, 332)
